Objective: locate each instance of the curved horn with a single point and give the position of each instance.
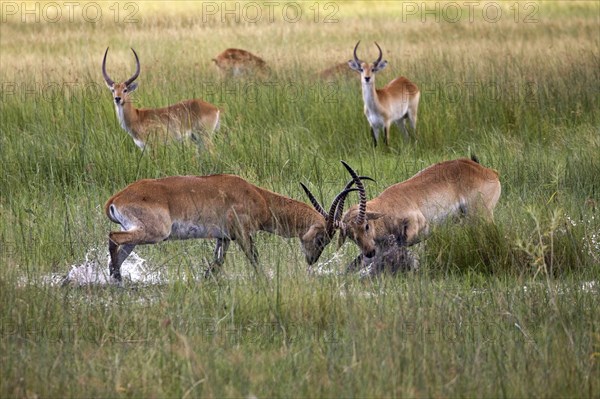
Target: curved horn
(351, 182)
(355, 57)
(137, 71)
(107, 78)
(331, 220)
(362, 206)
(340, 208)
(314, 201)
(380, 55)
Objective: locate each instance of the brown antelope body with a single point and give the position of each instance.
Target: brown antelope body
(222, 207)
(195, 119)
(395, 102)
(233, 63)
(408, 209)
(337, 71)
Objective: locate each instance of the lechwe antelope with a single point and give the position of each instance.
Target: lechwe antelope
(336, 72)
(195, 118)
(223, 207)
(395, 102)
(233, 63)
(408, 209)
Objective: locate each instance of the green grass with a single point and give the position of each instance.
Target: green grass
(507, 310)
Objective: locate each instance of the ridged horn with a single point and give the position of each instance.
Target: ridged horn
(107, 78)
(356, 59)
(314, 201)
(332, 223)
(137, 70)
(362, 206)
(340, 208)
(380, 55)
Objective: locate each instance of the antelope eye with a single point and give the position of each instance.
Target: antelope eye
(367, 227)
(125, 90)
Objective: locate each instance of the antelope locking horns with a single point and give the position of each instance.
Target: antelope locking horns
(332, 222)
(340, 208)
(331, 218)
(362, 206)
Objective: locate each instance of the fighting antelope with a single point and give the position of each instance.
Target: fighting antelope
(195, 118)
(223, 207)
(408, 209)
(233, 63)
(395, 102)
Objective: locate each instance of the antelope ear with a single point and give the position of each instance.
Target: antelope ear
(354, 66)
(132, 87)
(380, 66)
(374, 215)
(309, 235)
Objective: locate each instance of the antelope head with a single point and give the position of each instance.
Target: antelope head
(314, 241)
(332, 218)
(356, 223)
(366, 70)
(120, 91)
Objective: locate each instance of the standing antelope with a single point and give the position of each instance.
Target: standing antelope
(406, 210)
(395, 102)
(196, 119)
(233, 63)
(224, 207)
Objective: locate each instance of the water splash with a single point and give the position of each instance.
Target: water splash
(326, 267)
(94, 271)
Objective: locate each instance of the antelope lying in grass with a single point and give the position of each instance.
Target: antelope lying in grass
(223, 207)
(195, 119)
(233, 63)
(395, 102)
(408, 209)
(335, 72)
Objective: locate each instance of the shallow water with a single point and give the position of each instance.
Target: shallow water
(94, 271)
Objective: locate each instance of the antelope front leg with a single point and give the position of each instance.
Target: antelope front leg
(221, 249)
(386, 135)
(241, 227)
(374, 134)
(219, 256)
(249, 249)
(416, 229)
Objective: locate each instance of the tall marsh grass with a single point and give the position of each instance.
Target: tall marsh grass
(509, 309)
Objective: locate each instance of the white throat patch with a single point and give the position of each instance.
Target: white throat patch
(121, 117)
